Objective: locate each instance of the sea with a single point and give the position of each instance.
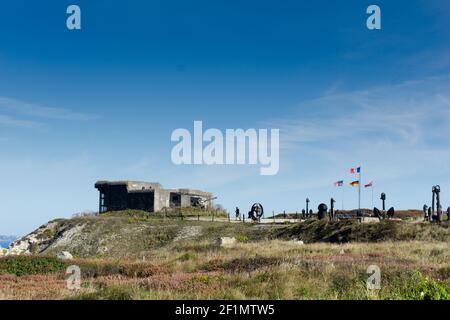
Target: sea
(4, 244)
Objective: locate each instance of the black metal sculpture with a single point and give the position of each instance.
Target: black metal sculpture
(377, 213)
(307, 205)
(332, 201)
(303, 214)
(436, 200)
(322, 211)
(448, 214)
(390, 212)
(425, 212)
(256, 212)
(383, 200)
(382, 214)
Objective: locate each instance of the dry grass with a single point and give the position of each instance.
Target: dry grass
(272, 269)
(151, 258)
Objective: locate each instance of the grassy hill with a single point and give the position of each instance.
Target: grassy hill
(133, 233)
(130, 255)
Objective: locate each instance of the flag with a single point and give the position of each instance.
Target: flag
(369, 185)
(355, 170)
(339, 183)
(354, 183)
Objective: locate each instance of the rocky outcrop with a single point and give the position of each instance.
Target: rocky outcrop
(226, 241)
(64, 255)
(32, 242)
(52, 234)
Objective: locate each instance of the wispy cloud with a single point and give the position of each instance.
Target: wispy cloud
(408, 114)
(10, 122)
(36, 110)
(395, 131)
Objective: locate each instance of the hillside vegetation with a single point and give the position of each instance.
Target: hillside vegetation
(131, 255)
(271, 269)
(133, 233)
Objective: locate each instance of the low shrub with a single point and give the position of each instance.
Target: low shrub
(94, 269)
(241, 238)
(424, 288)
(107, 293)
(26, 265)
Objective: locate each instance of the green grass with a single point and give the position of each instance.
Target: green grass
(177, 213)
(278, 284)
(265, 263)
(107, 293)
(270, 269)
(352, 231)
(425, 288)
(27, 265)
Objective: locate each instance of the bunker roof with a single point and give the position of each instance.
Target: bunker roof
(142, 186)
(130, 185)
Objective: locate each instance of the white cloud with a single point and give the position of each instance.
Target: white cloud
(394, 131)
(35, 110)
(407, 114)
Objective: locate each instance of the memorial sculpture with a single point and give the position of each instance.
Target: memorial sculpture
(256, 212)
(436, 204)
(377, 213)
(307, 206)
(332, 202)
(383, 214)
(425, 212)
(322, 211)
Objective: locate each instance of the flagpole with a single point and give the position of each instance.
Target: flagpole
(343, 189)
(359, 189)
(372, 195)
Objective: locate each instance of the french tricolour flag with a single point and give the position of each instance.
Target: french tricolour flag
(355, 170)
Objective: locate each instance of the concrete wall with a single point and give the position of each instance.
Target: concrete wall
(118, 194)
(162, 198)
(185, 200)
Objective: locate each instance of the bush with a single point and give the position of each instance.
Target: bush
(107, 293)
(202, 279)
(241, 238)
(94, 269)
(130, 213)
(187, 256)
(25, 265)
(423, 288)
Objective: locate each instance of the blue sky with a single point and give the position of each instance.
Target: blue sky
(101, 103)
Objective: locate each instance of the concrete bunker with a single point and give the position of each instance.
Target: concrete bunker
(148, 196)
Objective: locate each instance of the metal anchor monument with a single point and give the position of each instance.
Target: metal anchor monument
(434, 213)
